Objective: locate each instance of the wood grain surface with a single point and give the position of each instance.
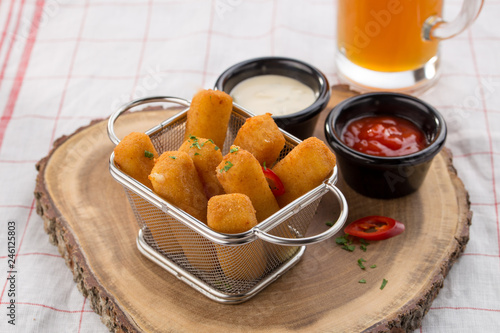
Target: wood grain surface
(87, 216)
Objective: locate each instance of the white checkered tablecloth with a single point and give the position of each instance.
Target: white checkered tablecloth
(63, 63)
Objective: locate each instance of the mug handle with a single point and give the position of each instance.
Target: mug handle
(435, 28)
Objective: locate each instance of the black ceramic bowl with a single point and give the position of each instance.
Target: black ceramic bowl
(385, 177)
(301, 123)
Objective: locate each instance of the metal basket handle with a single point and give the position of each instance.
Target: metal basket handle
(312, 239)
(137, 102)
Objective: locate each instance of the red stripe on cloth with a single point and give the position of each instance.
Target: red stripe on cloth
(488, 132)
(209, 42)
(23, 65)
(118, 77)
(305, 33)
(484, 204)
(48, 307)
(124, 40)
(464, 308)
(482, 255)
(7, 22)
(143, 47)
(15, 206)
(40, 116)
(70, 70)
(20, 244)
(12, 41)
(81, 315)
(17, 162)
(36, 254)
(472, 154)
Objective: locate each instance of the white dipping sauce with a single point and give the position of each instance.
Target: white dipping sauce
(275, 94)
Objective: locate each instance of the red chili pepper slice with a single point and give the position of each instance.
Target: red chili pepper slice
(274, 182)
(375, 228)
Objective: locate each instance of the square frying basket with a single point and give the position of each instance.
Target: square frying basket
(226, 268)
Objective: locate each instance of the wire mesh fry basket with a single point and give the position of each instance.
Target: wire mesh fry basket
(227, 268)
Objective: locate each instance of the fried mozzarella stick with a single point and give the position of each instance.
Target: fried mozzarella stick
(304, 168)
(206, 157)
(135, 156)
(174, 177)
(240, 172)
(261, 136)
(232, 214)
(208, 116)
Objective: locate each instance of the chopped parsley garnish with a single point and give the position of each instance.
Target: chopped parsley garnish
(149, 154)
(360, 263)
(227, 166)
(264, 166)
(349, 248)
(342, 240)
(173, 157)
(216, 148)
(346, 242)
(234, 149)
(330, 224)
(208, 140)
(195, 144)
(196, 154)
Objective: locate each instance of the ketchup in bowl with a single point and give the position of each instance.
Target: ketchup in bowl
(386, 136)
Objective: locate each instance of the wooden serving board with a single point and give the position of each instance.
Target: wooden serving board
(87, 216)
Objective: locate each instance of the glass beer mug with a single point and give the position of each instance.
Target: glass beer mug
(393, 44)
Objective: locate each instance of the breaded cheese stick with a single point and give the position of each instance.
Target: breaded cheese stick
(208, 116)
(240, 172)
(206, 157)
(261, 136)
(231, 214)
(304, 168)
(135, 156)
(174, 177)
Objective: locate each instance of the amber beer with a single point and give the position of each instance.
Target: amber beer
(386, 35)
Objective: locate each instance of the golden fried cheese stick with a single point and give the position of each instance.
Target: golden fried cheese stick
(206, 157)
(174, 177)
(304, 168)
(261, 136)
(135, 156)
(208, 116)
(240, 172)
(231, 214)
